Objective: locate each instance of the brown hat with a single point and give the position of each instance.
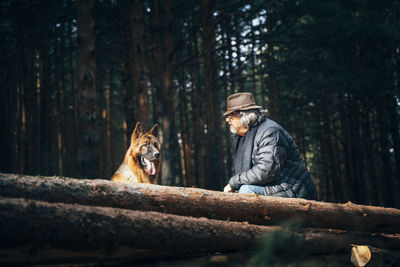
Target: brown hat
(240, 101)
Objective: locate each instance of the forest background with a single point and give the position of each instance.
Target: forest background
(77, 75)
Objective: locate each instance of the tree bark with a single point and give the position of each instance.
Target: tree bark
(30, 97)
(392, 110)
(138, 64)
(213, 180)
(46, 90)
(6, 131)
(273, 92)
(238, 42)
(73, 150)
(195, 202)
(110, 125)
(370, 171)
(39, 232)
(21, 105)
(385, 180)
(58, 108)
(228, 138)
(253, 63)
(124, 46)
(345, 173)
(89, 141)
(231, 69)
(163, 54)
(329, 160)
(198, 112)
(171, 160)
(184, 125)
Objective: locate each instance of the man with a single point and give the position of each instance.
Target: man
(266, 160)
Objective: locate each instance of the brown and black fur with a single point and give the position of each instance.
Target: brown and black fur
(144, 148)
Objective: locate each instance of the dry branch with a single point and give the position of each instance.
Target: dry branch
(203, 203)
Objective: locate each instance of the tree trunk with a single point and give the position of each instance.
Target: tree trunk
(39, 232)
(100, 85)
(238, 42)
(110, 126)
(65, 96)
(58, 108)
(392, 110)
(347, 179)
(228, 138)
(6, 131)
(21, 111)
(30, 97)
(88, 143)
(253, 64)
(194, 202)
(231, 69)
(330, 161)
(354, 188)
(198, 113)
(163, 54)
(385, 179)
(370, 163)
(138, 63)
(74, 102)
(45, 91)
(325, 188)
(126, 68)
(213, 179)
(157, 73)
(171, 161)
(184, 125)
(273, 93)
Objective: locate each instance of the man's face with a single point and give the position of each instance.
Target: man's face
(233, 120)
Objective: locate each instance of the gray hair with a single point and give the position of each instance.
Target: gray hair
(252, 117)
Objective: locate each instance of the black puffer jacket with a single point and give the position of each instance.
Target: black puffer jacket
(275, 163)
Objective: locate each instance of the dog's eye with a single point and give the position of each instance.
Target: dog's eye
(145, 145)
(156, 145)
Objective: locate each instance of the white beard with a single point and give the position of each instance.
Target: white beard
(233, 130)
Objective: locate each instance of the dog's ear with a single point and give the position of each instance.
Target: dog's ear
(154, 130)
(137, 132)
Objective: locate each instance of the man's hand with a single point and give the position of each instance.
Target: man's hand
(228, 189)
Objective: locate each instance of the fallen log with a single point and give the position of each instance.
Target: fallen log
(42, 232)
(248, 258)
(37, 232)
(195, 202)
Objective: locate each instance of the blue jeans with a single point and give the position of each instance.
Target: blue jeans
(252, 189)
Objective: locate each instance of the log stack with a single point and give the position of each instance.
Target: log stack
(50, 220)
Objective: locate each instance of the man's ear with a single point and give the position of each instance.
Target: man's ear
(154, 130)
(137, 132)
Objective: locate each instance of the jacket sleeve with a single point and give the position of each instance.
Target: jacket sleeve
(270, 157)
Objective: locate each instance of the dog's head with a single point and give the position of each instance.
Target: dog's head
(146, 148)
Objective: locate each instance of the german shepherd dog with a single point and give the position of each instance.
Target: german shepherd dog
(142, 160)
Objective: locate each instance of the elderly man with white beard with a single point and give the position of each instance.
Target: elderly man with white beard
(266, 159)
